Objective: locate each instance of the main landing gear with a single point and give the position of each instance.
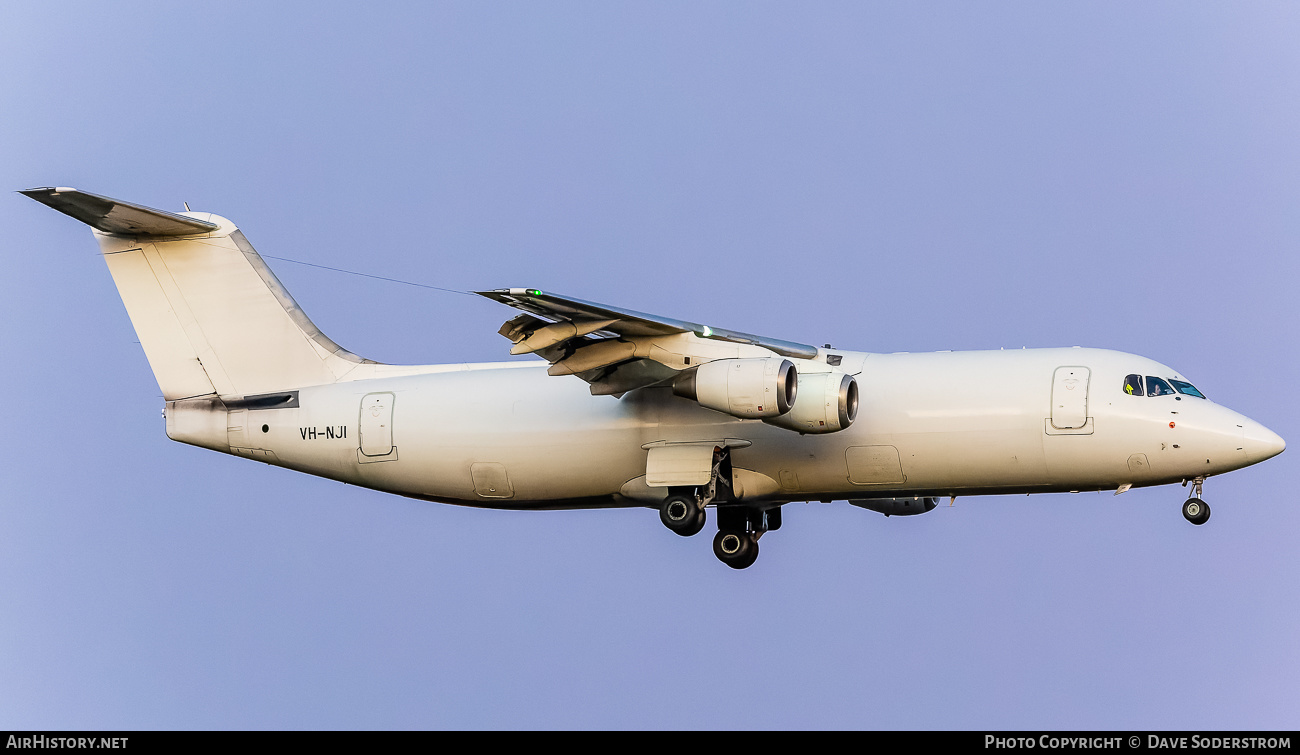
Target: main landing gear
(682, 513)
(683, 510)
(739, 526)
(1195, 510)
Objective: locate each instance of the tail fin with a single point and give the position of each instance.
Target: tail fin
(211, 316)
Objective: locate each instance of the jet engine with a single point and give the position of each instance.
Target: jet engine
(828, 403)
(897, 506)
(744, 388)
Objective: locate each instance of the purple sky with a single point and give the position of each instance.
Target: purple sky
(882, 177)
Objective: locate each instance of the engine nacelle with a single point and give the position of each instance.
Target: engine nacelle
(828, 403)
(744, 388)
(897, 506)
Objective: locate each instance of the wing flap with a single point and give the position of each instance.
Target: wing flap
(558, 332)
(604, 353)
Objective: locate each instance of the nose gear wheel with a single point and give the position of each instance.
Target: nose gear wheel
(1196, 510)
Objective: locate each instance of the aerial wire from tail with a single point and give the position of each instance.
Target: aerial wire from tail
(368, 275)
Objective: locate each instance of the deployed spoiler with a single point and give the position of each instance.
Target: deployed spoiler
(118, 217)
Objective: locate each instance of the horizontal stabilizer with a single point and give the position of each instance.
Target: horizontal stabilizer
(118, 217)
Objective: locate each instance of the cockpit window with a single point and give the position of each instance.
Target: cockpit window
(1186, 388)
(1158, 387)
(1133, 385)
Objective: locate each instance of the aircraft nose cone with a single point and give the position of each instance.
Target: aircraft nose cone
(1260, 443)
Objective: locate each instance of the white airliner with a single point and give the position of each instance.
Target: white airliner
(632, 409)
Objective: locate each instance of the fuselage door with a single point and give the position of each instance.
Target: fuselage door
(377, 424)
(1070, 398)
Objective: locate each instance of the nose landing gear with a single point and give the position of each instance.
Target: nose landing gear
(1195, 510)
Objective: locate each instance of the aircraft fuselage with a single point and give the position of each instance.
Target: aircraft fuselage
(946, 423)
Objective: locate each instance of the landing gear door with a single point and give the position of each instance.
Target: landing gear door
(679, 464)
(1070, 398)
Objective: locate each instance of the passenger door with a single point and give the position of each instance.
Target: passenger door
(1070, 398)
(376, 424)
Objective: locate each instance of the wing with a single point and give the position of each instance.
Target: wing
(617, 350)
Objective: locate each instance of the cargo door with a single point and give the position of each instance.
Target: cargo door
(1070, 398)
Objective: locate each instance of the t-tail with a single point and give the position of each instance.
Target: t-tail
(217, 326)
